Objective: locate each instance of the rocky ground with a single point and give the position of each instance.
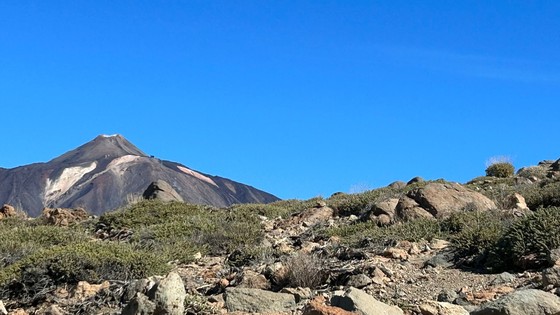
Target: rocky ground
(313, 273)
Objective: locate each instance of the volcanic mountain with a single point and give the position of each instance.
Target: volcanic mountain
(109, 171)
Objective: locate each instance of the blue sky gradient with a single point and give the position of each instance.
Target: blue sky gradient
(298, 98)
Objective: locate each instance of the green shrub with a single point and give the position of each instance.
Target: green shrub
(178, 230)
(544, 195)
(20, 240)
(474, 234)
(90, 261)
(528, 241)
(414, 230)
(500, 169)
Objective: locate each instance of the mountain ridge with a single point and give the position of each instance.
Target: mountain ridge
(105, 172)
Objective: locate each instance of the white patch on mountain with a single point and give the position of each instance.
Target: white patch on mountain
(197, 175)
(71, 175)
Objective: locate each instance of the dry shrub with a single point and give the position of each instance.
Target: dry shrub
(304, 270)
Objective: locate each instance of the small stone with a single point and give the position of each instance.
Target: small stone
(447, 296)
(504, 277)
(359, 281)
(396, 253)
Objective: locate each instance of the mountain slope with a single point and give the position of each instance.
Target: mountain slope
(106, 172)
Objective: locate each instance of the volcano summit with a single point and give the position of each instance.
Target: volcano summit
(104, 173)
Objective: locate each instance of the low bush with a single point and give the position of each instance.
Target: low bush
(528, 241)
(547, 194)
(500, 169)
(29, 279)
(474, 234)
(303, 270)
(356, 234)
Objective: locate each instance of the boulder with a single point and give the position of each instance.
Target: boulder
(356, 300)
(553, 257)
(397, 185)
(64, 217)
(442, 199)
(408, 209)
(551, 276)
(3, 310)
(522, 302)
(161, 190)
(139, 305)
(415, 180)
(442, 308)
(254, 280)
(169, 295)
(156, 295)
(315, 215)
(299, 293)
(7, 211)
(258, 301)
(317, 307)
(516, 202)
(386, 207)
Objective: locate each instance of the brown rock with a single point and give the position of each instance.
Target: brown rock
(64, 217)
(442, 308)
(7, 211)
(385, 207)
(396, 253)
(84, 290)
(254, 280)
(442, 199)
(315, 215)
(18, 311)
(317, 307)
(516, 202)
(408, 209)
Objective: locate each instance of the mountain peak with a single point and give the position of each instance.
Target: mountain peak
(101, 148)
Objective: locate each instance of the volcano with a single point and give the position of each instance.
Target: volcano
(107, 173)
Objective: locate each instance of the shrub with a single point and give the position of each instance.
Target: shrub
(414, 230)
(20, 240)
(528, 241)
(545, 195)
(473, 234)
(178, 230)
(303, 270)
(500, 169)
(90, 261)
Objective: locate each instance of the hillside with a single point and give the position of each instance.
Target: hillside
(489, 246)
(108, 172)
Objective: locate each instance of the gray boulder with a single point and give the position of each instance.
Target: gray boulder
(164, 296)
(551, 276)
(169, 295)
(356, 300)
(161, 190)
(139, 305)
(258, 301)
(522, 302)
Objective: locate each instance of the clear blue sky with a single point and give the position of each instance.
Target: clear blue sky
(298, 98)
